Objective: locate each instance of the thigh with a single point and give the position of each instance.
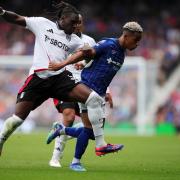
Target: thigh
(22, 109)
(66, 88)
(61, 106)
(79, 93)
(33, 93)
(63, 85)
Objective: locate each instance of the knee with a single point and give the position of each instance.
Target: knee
(94, 100)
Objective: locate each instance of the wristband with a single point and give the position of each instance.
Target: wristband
(2, 13)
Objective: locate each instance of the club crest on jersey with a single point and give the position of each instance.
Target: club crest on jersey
(113, 51)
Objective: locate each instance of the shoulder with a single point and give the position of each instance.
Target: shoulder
(39, 20)
(88, 39)
(76, 38)
(105, 42)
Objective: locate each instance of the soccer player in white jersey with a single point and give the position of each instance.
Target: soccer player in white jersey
(70, 109)
(53, 42)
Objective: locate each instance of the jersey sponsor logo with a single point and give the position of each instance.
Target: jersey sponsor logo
(56, 43)
(110, 61)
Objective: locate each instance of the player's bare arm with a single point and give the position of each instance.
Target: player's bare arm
(12, 17)
(76, 57)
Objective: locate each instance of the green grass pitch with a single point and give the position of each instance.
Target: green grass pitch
(25, 157)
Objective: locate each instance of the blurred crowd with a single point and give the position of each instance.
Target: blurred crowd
(161, 41)
(170, 111)
(160, 20)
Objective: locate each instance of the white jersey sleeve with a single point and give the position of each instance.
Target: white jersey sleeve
(34, 23)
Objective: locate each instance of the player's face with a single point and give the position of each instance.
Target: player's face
(69, 23)
(79, 27)
(132, 40)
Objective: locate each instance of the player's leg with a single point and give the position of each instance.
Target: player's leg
(22, 110)
(27, 100)
(68, 111)
(95, 106)
(96, 113)
(82, 142)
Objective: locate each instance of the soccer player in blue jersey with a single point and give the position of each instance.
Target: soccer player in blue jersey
(108, 57)
(69, 110)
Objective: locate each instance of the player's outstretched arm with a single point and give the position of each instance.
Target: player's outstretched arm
(76, 57)
(12, 17)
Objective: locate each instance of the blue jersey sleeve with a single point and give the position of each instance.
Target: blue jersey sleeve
(101, 47)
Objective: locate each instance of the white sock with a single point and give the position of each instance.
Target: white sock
(96, 116)
(10, 125)
(99, 140)
(75, 160)
(59, 146)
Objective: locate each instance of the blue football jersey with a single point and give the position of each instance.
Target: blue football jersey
(99, 72)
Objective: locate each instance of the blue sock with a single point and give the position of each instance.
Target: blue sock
(72, 131)
(82, 142)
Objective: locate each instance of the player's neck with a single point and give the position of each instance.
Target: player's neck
(58, 25)
(121, 42)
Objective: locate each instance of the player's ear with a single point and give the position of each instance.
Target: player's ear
(62, 17)
(125, 36)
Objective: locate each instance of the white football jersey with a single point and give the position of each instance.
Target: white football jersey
(51, 44)
(86, 40)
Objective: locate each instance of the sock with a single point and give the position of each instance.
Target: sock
(72, 131)
(10, 125)
(99, 140)
(75, 160)
(82, 142)
(60, 143)
(96, 114)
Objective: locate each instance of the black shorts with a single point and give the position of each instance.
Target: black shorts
(61, 106)
(38, 90)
